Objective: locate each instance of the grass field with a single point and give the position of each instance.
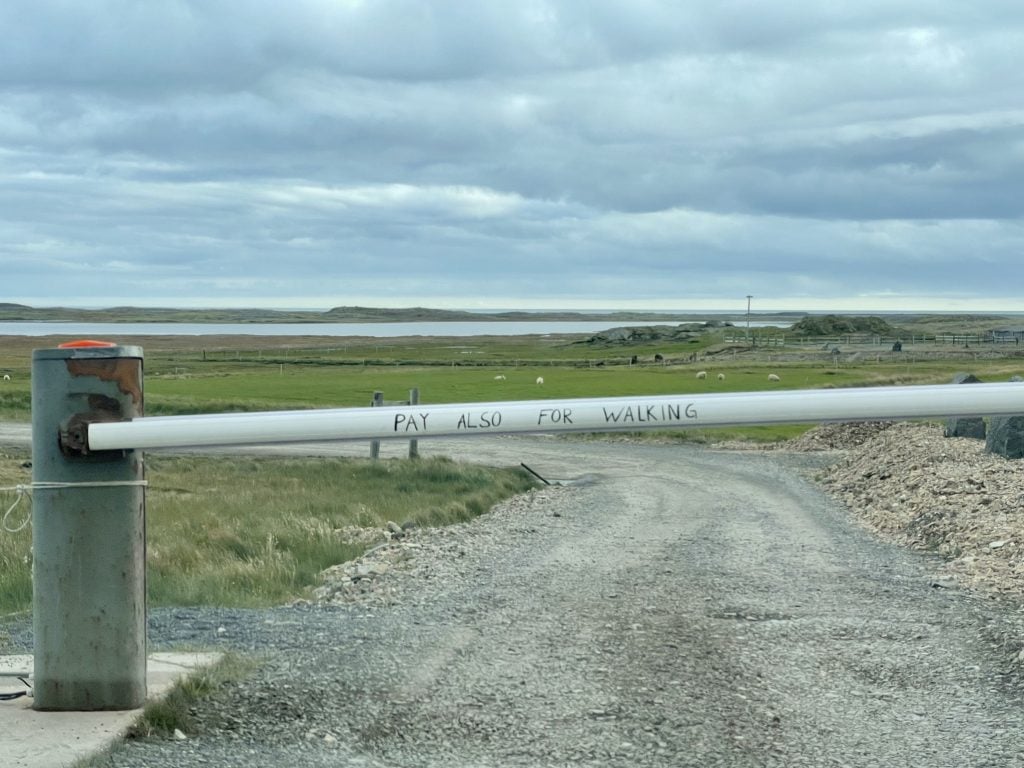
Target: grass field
(277, 373)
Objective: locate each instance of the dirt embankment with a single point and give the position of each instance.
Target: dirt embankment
(910, 484)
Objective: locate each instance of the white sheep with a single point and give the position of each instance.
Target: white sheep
(540, 379)
(773, 377)
(7, 377)
(721, 377)
(702, 374)
(500, 377)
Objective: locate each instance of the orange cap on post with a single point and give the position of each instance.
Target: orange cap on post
(85, 343)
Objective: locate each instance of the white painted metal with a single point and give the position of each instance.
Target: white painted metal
(580, 415)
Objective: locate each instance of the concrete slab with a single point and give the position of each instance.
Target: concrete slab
(31, 739)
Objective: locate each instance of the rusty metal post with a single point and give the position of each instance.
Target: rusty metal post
(88, 537)
(378, 401)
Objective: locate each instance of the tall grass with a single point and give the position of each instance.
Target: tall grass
(16, 404)
(15, 547)
(258, 531)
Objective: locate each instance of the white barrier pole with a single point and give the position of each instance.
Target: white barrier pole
(578, 415)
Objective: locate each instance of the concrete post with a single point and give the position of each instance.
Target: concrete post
(88, 532)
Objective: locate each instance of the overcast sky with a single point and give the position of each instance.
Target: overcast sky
(816, 154)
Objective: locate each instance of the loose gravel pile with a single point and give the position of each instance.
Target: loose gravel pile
(830, 437)
(911, 484)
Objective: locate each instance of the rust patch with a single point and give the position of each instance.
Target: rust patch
(126, 372)
(103, 408)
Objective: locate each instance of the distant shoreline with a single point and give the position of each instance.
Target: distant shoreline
(25, 314)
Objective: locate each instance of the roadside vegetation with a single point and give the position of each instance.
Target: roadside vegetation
(15, 536)
(257, 531)
(175, 711)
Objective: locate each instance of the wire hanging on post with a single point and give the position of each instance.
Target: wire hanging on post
(20, 490)
(26, 490)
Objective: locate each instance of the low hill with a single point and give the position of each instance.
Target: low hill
(842, 325)
(640, 334)
(350, 314)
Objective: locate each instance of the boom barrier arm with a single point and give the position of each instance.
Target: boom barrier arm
(571, 415)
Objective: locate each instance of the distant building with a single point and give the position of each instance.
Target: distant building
(1015, 335)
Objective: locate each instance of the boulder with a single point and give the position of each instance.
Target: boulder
(965, 378)
(1006, 435)
(971, 426)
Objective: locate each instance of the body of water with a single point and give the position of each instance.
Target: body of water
(115, 331)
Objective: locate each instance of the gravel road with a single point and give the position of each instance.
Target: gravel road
(663, 606)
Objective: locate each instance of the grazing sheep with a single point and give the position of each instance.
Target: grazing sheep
(7, 377)
(540, 379)
(702, 374)
(773, 377)
(500, 377)
(721, 377)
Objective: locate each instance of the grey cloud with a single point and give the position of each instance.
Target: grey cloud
(646, 148)
(218, 43)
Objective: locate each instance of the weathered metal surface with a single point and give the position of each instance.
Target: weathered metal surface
(89, 549)
(125, 372)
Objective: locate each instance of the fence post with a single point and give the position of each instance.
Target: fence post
(377, 402)
(414, 445)
(88, 532)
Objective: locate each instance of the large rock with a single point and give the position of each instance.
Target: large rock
(965, 378)
(1006, 435)
(971, 426)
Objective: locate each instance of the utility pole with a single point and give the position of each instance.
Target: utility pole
(749, 297)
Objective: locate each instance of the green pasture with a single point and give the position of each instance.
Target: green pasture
(249, 387)
(203, 374)
(232, 385)
(425, 350)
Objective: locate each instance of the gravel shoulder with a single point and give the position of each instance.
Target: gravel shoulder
(665, 606)
(910, 485)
